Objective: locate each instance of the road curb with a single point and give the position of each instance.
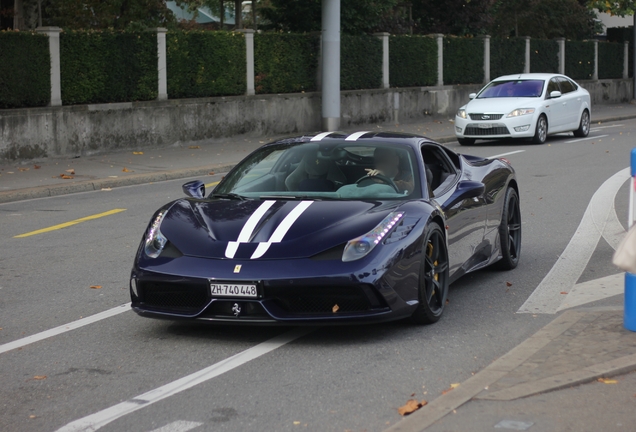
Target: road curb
(99, 184)
(471, 388)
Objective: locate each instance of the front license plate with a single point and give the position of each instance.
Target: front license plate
(484, 125)
(233, 290)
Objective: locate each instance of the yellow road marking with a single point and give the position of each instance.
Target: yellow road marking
(211, 184)
(68, 224)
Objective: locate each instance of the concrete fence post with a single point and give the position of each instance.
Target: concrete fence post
(54, 49)
(162, 69)
(440, 59)
(595, 73)
(526, 65)
(625, 59)
(249, 59)
(384, 37)
(561, 42)
(486, 39)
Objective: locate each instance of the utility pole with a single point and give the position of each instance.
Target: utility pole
(330, 65)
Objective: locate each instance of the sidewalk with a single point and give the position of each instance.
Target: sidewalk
(581, 346)
(42, 178)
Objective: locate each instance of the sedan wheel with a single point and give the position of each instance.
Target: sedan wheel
(541, 132)
(584, 125)
(510, 232)
(433, 288)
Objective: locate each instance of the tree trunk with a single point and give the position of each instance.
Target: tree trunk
(254, 14)
(18, 15)
(222, 14)
(238, 14)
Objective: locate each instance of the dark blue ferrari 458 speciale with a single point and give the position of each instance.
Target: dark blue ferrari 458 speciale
(332, 228)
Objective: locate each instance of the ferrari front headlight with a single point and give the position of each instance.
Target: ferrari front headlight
(155, 240)
(361, 246)
(521, 112)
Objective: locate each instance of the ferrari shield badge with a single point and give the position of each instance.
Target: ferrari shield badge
(237, 268)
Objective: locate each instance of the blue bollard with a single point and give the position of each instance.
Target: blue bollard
(629, 314)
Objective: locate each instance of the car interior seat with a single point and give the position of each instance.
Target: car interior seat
(315, 173)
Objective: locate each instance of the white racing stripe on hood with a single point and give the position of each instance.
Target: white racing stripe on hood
(354, 136)
(248, 228)
(320, 136)
(282, 229)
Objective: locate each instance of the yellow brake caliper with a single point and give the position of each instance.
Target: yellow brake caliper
(429, 253)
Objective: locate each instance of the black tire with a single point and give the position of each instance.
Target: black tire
(466, 141)
(584, 125)
(541, 130)
(510, 232)
(433, 289)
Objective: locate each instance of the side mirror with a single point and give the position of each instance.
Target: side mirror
(466, 189)
(555, 94)
(472, 96)
(194, 189)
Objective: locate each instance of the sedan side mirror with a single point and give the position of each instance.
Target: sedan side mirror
(466, 189)
(472, 96)
(555, 94)
(194, 189)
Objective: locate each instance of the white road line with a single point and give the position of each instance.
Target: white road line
(585, 139)
(605, 127)
(547, 297)
(64, 328)
(506, 154)
(102, 418)
(178, 426)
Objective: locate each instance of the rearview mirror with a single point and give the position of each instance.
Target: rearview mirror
(555, 94)
(472, 96)
(465, 190)
(194, 189)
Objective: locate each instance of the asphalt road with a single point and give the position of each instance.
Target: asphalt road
(327, 379)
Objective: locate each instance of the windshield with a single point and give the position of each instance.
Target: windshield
(337, 170)
(516, 88)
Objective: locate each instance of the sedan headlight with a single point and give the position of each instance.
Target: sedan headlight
(461, 113)
(363, 245)
(155, 240)
(521, 112)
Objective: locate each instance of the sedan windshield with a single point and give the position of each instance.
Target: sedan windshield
(515, 88)
(336, 170)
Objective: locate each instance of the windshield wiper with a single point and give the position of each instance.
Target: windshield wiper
(230, 196)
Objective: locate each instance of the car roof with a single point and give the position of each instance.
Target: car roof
(408, 139)
(541, 76)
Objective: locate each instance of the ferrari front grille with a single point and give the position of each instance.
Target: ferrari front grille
(321, 300)
(180, 297)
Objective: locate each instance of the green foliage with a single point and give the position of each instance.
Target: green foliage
(107, 66)
(204, 64)
(25, 70)
(544, 56)
(579, 59)
(463, 60)
(610, 60)
(360, 62)
(507, 56)
(412, 61)
(285, 63)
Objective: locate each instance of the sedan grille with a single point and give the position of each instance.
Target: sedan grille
(485, 116)
(320, 300)
(475, 131)
(182, 297)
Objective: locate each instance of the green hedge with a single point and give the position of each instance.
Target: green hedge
(360, 62)
(205, 64)
(107, 66)
(463, 60)
(579, 59)
(25, 70)
(544, 56)
(412, 61)
(507, 56)
(610, 60)
(285, 62)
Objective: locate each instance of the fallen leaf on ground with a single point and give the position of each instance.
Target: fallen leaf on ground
(126, 170)
(70, 171)
(447, 390)
(31, 416)
(211, 173)
(23, 169)
(39, 377)
(335, 308)
(66, 177)
(296, 422)
(36, 167)
(607, 381)
(454, 385)
(411, 405)
(138, 153)
(563, 292)
(508, 284)
(447, 301)
(194, 147)
(96, 287)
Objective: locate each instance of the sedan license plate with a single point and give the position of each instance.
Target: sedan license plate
(484, 125)
(233, 290)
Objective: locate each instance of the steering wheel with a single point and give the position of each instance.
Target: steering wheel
(372, 179)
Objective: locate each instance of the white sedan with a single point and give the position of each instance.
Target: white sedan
(524, 106)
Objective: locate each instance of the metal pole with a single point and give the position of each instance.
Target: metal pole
(629, 310)
(330, 65)
(634, 59)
